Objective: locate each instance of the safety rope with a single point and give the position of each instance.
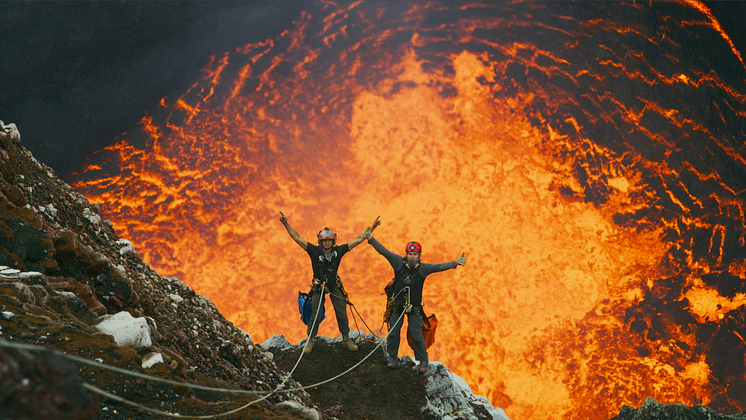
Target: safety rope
(92, 388)
(354, 318)
(278, 388)
(407, 306)
(125, 401)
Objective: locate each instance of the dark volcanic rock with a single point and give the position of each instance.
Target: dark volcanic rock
(42, 387)
(61, 269)
(653, 410)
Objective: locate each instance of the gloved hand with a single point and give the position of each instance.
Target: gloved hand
(461, 260)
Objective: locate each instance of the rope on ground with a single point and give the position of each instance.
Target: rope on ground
(92, 388)
(278, 389)
(31, 347)
(125, 401)
(355, 365)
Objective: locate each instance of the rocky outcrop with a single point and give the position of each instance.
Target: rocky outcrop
(65, 277)
(653, 410)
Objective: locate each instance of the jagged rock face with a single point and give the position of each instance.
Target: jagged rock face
(63, 270)
(653, 410)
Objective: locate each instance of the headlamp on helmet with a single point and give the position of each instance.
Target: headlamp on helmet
(413, 247)
(327, 234)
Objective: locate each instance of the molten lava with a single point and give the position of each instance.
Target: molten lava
(568, 152)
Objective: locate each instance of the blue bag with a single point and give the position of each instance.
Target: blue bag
(304, 306)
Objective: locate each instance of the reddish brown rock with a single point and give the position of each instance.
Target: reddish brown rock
(66, 244)
(15, 196)
(115, 302)
(97, 264)
(97, 307)
(49, 266)
(4, 140)
(61, 284)
(84, 291)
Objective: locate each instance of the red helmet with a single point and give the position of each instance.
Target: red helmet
(327, 234)
(413, 247)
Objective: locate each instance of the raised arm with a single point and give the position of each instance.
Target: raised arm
(393, 259)
(293, 233)
(366, 234)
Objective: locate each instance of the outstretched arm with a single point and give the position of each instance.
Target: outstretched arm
(426, 269)
(293, 233)
(366, 234)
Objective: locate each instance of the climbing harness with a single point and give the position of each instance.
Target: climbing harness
(347, 300)
(394, 305)
(304, 299)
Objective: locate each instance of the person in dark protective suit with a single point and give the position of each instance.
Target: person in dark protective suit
(325, 259)
(409, 278)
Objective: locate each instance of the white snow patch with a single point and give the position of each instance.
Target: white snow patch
(150, 359)
(278, 341)
(7, 315)
(125, 247)
(126, 330)
(299, 409)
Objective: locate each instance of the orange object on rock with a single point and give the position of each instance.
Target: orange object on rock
(428, 333)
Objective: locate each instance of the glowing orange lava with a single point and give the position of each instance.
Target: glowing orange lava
(465, 140)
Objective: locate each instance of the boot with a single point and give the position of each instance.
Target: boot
(347, 341)
(391, 362)
(309, 347)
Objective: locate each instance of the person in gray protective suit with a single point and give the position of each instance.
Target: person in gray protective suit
(409, 278)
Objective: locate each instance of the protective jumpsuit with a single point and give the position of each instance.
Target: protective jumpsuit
(414, 280)
(325, 270)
